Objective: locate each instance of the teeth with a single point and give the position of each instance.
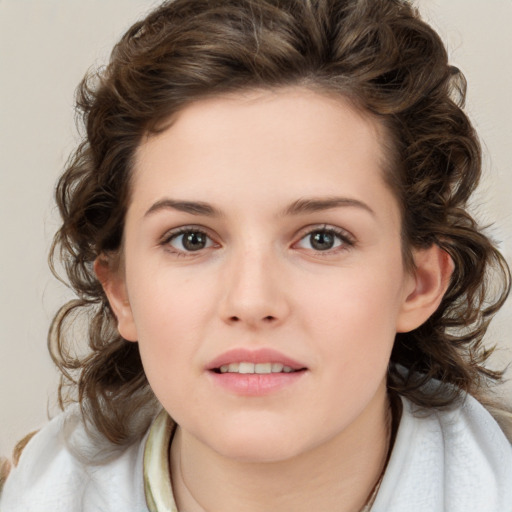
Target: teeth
(259, 368)
(246, 368)
(263, 368)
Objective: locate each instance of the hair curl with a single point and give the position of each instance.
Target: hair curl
(379, 54)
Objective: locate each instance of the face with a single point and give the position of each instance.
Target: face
(263, 274)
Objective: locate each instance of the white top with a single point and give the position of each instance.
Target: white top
(455, 460)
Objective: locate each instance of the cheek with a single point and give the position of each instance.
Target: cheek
(164, 299)
(171, 315)
(353, 316)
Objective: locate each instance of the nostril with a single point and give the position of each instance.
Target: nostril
(266, 319)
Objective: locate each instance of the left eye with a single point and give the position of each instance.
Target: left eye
(190, 241)
(322, 240)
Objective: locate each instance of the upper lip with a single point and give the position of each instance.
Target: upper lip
(262, 355)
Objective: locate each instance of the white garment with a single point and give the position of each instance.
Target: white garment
(455, 460)
(53, 473)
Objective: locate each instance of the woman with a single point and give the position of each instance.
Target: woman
(267, 225)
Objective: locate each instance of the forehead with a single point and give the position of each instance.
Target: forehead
(272, 141)
(290, 109)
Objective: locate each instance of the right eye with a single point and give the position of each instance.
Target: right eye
(189, 240)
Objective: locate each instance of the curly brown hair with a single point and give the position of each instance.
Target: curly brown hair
(377, 53)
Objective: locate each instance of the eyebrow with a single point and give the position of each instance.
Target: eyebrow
(301, 206)
(192, 207)
(313, 204)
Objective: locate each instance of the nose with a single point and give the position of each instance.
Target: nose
(254, 290)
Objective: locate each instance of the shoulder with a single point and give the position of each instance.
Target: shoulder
(65, 467)
(455, 459)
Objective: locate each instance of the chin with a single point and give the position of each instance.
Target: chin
(257, 443)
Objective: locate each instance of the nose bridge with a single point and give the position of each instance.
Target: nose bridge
(254, 291)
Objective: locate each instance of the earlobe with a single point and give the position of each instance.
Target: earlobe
(114, 285)
(430, 280)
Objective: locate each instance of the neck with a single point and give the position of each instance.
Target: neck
(338, 475)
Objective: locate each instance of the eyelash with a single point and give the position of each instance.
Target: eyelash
(172, 235)
(346, 239)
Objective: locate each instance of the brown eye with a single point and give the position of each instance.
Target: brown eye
(322, 240)
(325, 239)
(189, 241)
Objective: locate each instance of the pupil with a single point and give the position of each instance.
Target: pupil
(194, 241)
(322, 240)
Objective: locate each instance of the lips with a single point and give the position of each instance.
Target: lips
(255, 373)
(261, 361)
(257, 368)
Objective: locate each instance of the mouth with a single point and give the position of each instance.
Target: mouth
(246, 368)
(258, 372)
(259, 361)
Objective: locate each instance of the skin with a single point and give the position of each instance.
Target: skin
(320, 442)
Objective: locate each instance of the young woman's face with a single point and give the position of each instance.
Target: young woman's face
(263, 271)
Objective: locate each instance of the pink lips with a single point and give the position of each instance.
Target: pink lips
(264, 355)
(253, 384)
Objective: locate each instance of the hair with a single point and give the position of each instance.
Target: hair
(377, 53)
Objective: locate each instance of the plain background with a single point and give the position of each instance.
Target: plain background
(45, 48)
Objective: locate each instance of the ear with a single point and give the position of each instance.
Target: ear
(114, 284)
(429, 282)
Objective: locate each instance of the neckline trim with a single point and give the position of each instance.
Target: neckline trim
(156, 472)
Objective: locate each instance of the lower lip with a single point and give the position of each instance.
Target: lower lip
(256, 384)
